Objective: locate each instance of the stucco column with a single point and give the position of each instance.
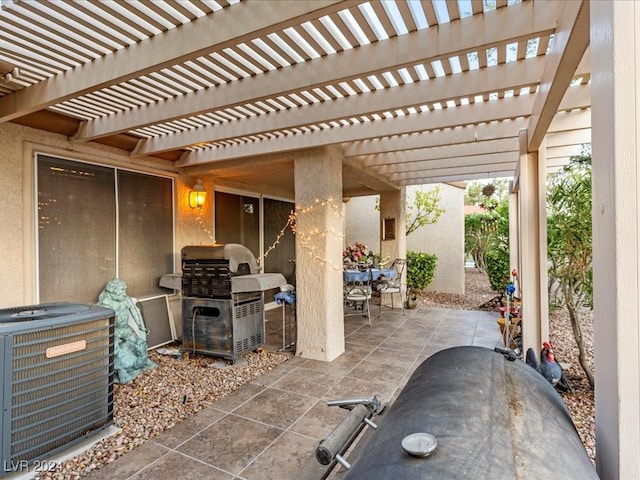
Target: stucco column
(319, 242)
(533, 246)
(615, 54)
(393, 208)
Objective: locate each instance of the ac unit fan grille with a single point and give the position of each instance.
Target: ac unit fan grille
(59, 399)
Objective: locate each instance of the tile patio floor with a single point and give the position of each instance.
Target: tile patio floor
(267, 429)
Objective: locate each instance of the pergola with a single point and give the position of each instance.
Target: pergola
(408, 92)
(414, 92)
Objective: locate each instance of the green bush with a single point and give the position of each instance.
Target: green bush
(498, 269)
(420, 270)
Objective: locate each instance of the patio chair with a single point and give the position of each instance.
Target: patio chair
(392, 286)
(357, 291)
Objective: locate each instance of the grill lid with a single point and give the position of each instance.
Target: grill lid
(236, 254)
(203, 252)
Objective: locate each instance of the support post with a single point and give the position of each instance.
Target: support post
(533, 246)
(319, 242)
(615, 60)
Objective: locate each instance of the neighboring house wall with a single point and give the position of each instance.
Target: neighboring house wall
(445, 238)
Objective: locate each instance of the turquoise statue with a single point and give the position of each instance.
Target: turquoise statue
(130, 344)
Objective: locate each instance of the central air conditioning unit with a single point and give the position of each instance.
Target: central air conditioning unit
(57, 379)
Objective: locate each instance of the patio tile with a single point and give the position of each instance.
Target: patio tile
(389, 319)
(130, 463)
(231, 444)
(175, 465)
(282, 459)
(356, 349)
(355, 387)
(237, 398)
(452, 339)
(267, 428)
(308, 382)
(340, 366)
(319, 421)
(431, 348)
(364, 337)
(189, 427)
(401, 358)
(276, 374)
(380, 328)
(404, 342)
(351, 327)
(275, 407)
(379, 372)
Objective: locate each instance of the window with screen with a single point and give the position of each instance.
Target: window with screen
(145, 230)
(96, 223)
(238, 220)
(281, 258)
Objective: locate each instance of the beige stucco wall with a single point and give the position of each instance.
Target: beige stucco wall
(362, 222)
(12, 289)
(445, 238)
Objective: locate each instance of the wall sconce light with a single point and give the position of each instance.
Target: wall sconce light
(198, 195)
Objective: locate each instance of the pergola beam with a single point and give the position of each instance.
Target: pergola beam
(395, 161)
(486, 163)
(476, 137)
(458, 177)
(569, 45)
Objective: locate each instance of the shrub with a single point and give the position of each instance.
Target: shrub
(498, 269)
(420, 270)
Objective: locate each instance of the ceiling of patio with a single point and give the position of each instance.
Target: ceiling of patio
(413, 91)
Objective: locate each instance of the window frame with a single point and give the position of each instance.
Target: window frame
(115, 168)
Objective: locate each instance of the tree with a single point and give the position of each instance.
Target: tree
(424, 210)
(497, 255)
(569, 245)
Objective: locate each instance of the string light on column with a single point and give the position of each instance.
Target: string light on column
(337, 208)
(304, 239)
(291, 222)
(307, 240)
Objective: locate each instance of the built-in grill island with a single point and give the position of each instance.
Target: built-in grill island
(223, 300)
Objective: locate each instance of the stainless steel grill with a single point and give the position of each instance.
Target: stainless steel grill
(223, 328)
(223, 300)
(57, 378)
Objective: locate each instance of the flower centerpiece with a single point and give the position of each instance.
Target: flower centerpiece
(357, 253)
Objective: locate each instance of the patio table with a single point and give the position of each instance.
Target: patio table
(354, 275)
